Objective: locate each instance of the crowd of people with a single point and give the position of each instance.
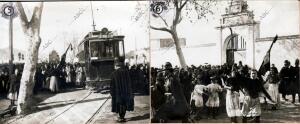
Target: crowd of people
(50, 77)
(196, 92)
(139, 75)
(10, 83)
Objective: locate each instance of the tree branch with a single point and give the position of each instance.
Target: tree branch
(36, 16)
(176, 3)
(185, 2)
(161, 29)
(164, 20)
(23, 17)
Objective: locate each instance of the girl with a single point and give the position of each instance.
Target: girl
(213, 101)
(196, 101)
(232, 97)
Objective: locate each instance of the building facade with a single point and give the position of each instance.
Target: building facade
(240, 39)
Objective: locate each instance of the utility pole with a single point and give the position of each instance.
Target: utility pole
(11, 59)
(8, 12)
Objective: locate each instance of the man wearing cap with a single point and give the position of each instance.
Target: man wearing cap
(121, 91)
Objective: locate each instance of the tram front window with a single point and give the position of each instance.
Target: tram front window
(121, 50)
(101, 50)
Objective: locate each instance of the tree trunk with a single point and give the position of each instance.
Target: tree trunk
(27, 81)
(31, 30)
(178, 49)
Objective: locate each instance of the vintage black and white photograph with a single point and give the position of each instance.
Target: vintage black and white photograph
(230, 61)
(74, 62)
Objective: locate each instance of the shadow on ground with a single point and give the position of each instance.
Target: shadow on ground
(140, 117)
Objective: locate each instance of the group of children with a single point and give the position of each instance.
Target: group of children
(198, 97)
(250, 88)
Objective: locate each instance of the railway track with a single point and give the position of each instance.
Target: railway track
(74, 104)
(98, 110)
(52, 119)
(67, 110)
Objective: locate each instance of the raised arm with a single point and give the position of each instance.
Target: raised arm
(224, 85)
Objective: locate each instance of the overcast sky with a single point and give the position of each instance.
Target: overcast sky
(58, 25)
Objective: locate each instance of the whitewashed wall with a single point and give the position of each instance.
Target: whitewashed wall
(282, 50)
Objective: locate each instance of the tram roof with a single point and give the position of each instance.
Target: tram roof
(102, 36)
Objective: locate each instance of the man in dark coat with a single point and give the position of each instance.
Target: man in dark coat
(6, 80)
(285, 86)
(176, 106)
(121, 91)
(186, 83)
(296, 79)
(1, 84)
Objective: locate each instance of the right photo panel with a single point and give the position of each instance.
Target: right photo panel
(229, 61)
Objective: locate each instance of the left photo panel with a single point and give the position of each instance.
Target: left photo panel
(74, 62)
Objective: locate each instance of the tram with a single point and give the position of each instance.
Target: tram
(99, 50)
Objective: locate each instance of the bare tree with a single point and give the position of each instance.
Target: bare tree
(200, 8)
(31, 30)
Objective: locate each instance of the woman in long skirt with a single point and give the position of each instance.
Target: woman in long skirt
(68, 77)
(232, 97)
(53, 86)
(79, 76)
(273, 81)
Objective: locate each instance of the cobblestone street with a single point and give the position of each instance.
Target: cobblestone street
(75, 106)
(141, 113)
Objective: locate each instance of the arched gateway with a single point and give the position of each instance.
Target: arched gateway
(238, 46)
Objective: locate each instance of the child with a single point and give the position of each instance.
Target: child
(213, 101)
(197, 100)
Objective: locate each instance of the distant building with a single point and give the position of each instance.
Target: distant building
(54, 57)
(166, 43)
(140, 56)
(18, 55)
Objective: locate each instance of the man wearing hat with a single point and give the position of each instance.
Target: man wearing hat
(121, 91)
(285, 80)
